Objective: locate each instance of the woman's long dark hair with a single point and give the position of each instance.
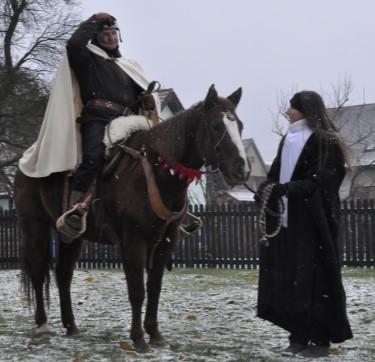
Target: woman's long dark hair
(312, 107)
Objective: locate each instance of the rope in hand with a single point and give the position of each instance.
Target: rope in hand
(264, 209)
(264, 198)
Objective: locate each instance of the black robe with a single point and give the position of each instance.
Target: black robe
(300, 282)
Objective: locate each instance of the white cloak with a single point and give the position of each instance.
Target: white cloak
(58, 146)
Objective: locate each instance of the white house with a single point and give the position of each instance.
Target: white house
(357, 127)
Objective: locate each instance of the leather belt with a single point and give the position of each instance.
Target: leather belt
(103, 103)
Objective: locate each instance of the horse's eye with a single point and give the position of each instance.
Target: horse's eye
(231, 116)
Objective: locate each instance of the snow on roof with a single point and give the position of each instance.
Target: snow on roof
(241, 195)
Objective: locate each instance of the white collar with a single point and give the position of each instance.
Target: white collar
(98, 51)
(298, 126)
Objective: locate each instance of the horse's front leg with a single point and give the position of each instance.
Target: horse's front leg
(154, 283)
(68, 255)
(134, 256)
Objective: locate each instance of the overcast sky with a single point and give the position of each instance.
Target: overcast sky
(263, 46)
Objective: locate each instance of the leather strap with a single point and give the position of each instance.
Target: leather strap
(106, 104)
(157, 203)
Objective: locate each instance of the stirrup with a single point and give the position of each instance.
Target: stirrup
(192, 227)
(80, 210)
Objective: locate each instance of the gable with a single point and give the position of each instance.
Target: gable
(258, 167)
(356, 125)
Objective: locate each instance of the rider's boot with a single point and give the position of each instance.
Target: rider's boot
(75, 197)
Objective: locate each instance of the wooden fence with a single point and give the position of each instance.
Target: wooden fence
(228, 239)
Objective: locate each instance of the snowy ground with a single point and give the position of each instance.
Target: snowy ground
(206, 315)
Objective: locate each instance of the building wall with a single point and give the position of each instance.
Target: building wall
(359, 182)
(5, 203)
(166, 113)
(197, 192)
(257, 168)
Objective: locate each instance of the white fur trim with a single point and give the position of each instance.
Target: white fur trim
(121, 128)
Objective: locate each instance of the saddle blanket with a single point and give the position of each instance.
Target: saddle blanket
(121, 128)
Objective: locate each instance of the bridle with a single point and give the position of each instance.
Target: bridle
(216, 153)
(221, 139)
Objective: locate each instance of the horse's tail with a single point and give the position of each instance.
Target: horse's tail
(27, 265)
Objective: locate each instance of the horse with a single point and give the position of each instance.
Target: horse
(207, 134)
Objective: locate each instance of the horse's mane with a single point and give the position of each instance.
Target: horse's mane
(170, 136)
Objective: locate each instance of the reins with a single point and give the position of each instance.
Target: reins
(153, 87)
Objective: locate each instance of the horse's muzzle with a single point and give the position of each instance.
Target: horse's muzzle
(242, 172)
(239, 172)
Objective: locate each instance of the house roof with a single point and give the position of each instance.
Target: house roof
(169, 98)
(357, 126)
(242, 195)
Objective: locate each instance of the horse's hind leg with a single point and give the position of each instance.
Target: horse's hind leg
(35, 256)
(154, 282)
(67, 256)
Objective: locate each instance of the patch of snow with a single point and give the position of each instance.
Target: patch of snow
(204, 314)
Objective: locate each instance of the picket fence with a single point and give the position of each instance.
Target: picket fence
(228, 239)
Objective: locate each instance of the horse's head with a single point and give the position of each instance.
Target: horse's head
(219, 139)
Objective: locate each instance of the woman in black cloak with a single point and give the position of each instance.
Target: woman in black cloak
(300, 286)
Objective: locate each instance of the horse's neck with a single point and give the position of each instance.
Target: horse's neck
(174, 138)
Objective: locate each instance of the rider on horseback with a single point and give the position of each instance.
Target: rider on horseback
(106, 91)
(94, 85)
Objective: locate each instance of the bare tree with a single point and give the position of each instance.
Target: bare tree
(339, 95)
(282, 105)
(32, 38)
(33, 33)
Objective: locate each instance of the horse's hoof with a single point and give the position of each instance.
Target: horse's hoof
(158, 343)
(43, 329)
(72, 331)
(141, 346)
(158, 340)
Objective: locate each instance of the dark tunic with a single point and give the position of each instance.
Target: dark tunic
(300, 286)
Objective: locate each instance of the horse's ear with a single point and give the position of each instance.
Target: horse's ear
(211, 97)
(235, 97)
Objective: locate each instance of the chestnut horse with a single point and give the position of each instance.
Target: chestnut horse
(209, 133)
